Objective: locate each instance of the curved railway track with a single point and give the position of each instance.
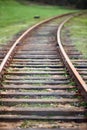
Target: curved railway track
(39, 83)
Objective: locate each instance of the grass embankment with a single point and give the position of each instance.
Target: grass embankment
(78, 31)
(14, 16)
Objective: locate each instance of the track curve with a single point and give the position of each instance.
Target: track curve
(35, 86)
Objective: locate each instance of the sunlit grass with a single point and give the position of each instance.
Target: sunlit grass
(15, 17)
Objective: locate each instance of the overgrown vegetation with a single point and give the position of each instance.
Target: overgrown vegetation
(71, 3)
(15, 16)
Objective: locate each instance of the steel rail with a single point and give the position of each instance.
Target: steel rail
(71, 68)
(13, 110)
(11, 52)
(82, 86)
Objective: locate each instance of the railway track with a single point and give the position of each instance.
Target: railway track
(36, 88)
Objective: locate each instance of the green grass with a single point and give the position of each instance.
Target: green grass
(15, 17)
(78, 31)
(41, 124)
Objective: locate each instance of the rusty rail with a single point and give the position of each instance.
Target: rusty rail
(22, 96)
(72, 70)
(82, 86)
(67, 62)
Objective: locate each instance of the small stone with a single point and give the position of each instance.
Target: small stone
(36, 17)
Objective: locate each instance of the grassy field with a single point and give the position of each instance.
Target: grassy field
(15, 16)
(78, 31)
